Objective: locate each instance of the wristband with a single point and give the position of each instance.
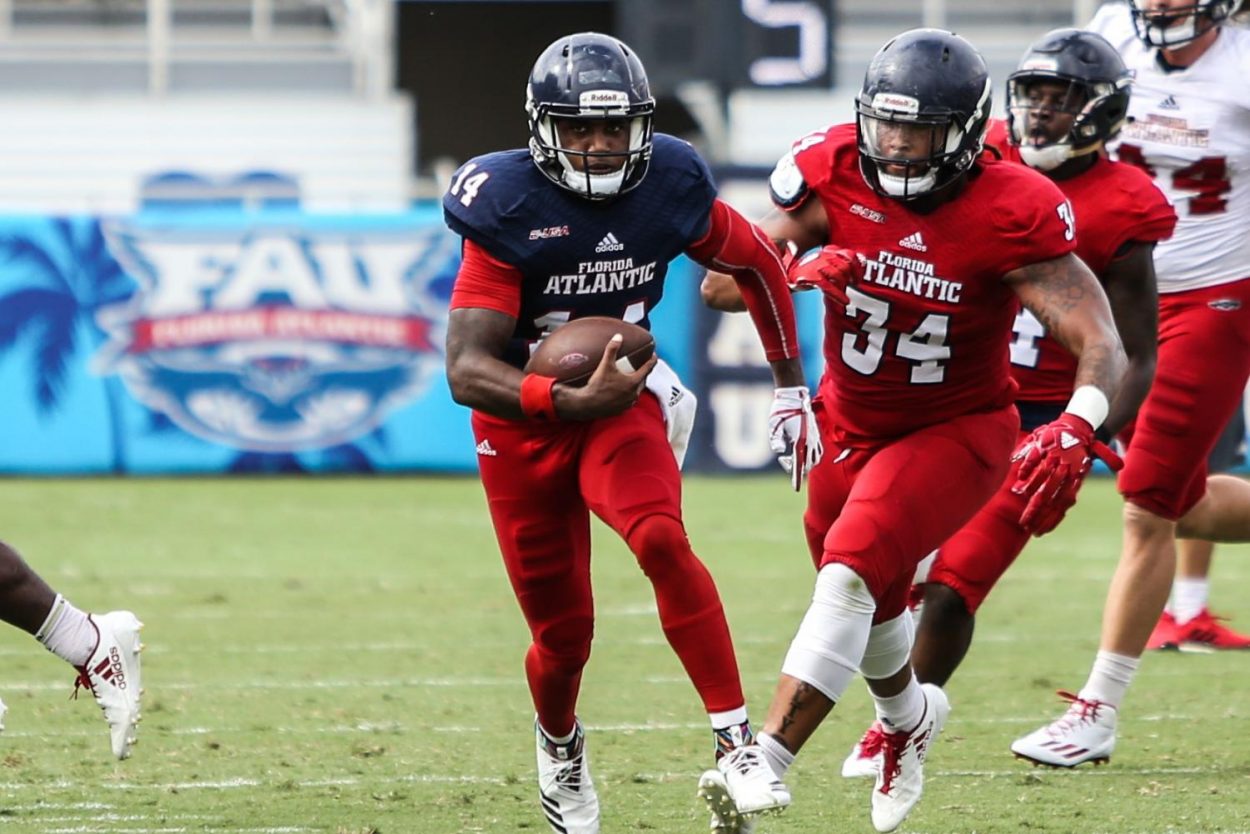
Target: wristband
(1090, 404)
(536, 400)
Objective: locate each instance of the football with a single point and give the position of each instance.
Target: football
(572, 352)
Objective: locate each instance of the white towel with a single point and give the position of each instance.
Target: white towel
(678, 404)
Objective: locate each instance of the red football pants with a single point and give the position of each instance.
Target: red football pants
(881, 509)
(1203, 365)
(542, 480)
(972, 561)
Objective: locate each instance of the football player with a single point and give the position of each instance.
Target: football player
(1067, 98)
(916, 403)
(103, 648)
(1190, 131)
(584, 223)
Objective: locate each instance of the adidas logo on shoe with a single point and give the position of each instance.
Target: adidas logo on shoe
(484, 448)
(914, 241)
(110, 669)
(609, 244)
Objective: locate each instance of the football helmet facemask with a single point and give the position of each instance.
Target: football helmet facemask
(589, 76)
(1098, 87)
(926, 81)
(1180, 25)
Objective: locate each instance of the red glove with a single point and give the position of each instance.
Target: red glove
(1053, 462)
(829, 269)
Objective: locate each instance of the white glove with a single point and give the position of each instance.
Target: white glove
(792, 432)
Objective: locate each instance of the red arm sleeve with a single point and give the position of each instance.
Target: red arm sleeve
(485, 281)
(735, 245)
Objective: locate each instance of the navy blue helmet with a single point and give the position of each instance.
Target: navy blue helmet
(1182, 24)
(589, 76)
(926, 88)
(1097, 94)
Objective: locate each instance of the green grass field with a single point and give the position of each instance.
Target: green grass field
(341, 655)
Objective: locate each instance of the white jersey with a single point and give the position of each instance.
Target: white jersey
(1190, 130)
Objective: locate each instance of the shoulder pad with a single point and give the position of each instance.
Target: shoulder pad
(786, 184)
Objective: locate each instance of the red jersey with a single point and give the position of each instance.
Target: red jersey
(924, 338)
(1113, 204)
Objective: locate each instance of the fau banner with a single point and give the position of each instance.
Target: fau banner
(201, 341)
(227, 341)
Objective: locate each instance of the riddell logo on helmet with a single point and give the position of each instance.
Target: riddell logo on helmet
(603, 98)
(894, 103)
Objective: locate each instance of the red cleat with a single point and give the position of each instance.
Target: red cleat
(1204, 633)
(1167, 634)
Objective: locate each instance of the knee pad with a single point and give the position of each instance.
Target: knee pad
(889, 647)
(829, 646)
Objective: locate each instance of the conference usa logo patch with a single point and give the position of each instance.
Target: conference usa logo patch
(278, 338)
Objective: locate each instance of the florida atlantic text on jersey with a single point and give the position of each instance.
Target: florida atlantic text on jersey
(579, 257)
(1190, 131)
(925, 336)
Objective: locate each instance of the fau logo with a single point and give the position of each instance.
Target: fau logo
(273, 338)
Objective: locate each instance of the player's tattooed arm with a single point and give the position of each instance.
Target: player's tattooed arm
(478, 378)
(1131, 288)
(1070, 303)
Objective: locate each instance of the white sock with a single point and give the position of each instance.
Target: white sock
(902, 711)
(775, 753)
(67, 633)
(1189, 597)
(1110, 678)
(731, 718)
(559, 740)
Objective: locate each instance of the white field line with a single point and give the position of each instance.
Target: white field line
(248, 782)
(317, 649)
(1183, 670)
(478, 779)
(370, 728)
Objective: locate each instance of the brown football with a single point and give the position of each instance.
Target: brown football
(572, 352)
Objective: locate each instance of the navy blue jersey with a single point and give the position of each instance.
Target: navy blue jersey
(581, 257)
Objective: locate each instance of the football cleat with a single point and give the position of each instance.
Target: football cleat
(714, 790)
(865, 759)
(1085, 733)
(1205, 633)
(3, 710)
(565, 789)
(112, 674)
(750, 782)
(1166, 634)
(900, 781)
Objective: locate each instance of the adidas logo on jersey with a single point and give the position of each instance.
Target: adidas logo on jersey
(484, 448)
(914, 241)
(609, 244)
(1169, 103)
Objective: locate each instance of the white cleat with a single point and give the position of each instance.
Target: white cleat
(112, 674)
(1085, 733)
(901, 778)
(750, 781)
(865, 759)
(565, 789)
(714, 790)
(3, 710)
